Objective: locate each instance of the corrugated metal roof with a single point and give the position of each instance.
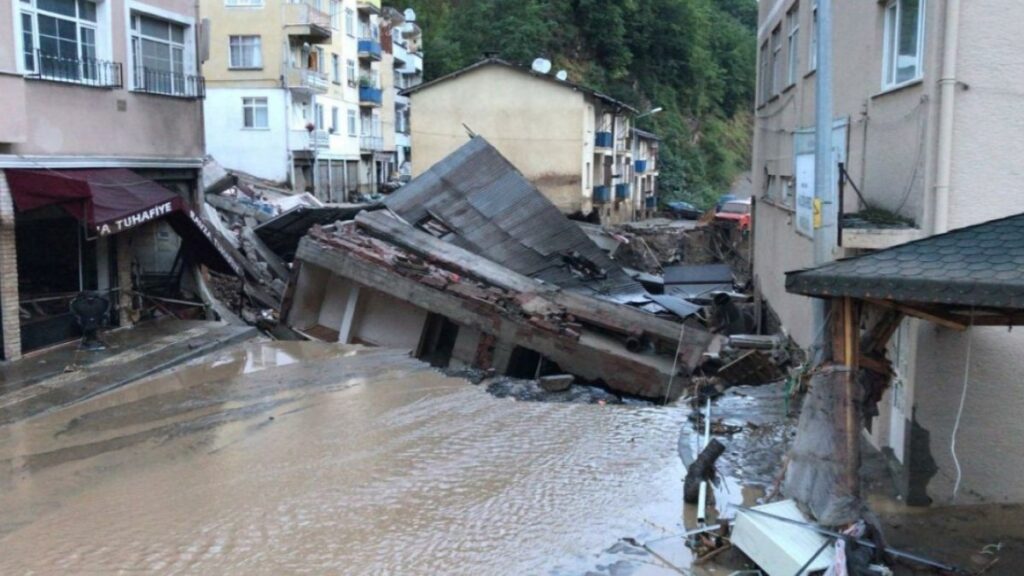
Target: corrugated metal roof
(980, 265)
(494, 211)
(698, 274)
(282, 233)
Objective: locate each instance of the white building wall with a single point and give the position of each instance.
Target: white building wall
(261, 152)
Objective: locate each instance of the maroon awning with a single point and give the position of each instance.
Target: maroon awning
(113, 200)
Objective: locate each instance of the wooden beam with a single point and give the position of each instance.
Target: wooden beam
(942, 319)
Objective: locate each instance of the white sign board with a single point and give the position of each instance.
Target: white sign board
(805, 195)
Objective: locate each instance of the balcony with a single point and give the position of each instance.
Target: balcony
(310, 140)
(307, 81)
(601, 194)
(303, 20)
(164, 83)
(640, 166)
(368, 6)
(369, 49)
(603, 140)
(370, 96)
(622, 191)
(84, 71)
(401, 55)
(413, 63)
(371, 144)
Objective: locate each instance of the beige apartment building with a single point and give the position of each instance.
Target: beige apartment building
(101, 146)
(574, 144)
(927, 128)
(296, 93)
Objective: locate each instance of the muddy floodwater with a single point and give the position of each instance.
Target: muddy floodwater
(313, 459)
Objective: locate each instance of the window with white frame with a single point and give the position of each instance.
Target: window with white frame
(812, 57)
(777, 74)
(904, 42)
(158, 50)
(336, 14)
(336, 68)
(255, 113)
(243, 3)
(245, 52)
(766, 78)
(793, 48)
(350, 72)
(319, 118)
(350, 22)
(335, 121)
(58, 39)
(352, 123)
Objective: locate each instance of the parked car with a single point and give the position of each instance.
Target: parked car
(737, 211)
(723, 199)
(681, 209)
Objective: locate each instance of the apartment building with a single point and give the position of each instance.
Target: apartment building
(926, 138)
(294, 92)
(573, 143)
(101, 147)
(645, 171)
(407, 52)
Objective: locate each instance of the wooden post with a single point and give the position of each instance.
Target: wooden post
(846, 352)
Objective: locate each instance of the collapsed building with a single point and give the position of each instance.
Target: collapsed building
(470, 265)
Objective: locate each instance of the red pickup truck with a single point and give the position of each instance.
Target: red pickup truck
(737, 211)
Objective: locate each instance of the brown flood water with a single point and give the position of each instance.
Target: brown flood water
(305, 458)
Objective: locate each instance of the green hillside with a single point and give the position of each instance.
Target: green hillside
(694, 58)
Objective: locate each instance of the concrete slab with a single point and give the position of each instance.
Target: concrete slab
(64, 375)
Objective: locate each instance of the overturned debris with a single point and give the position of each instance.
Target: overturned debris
(380, 281)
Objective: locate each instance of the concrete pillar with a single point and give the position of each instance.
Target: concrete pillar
(124, 278)
(348, 321)
(10, 322)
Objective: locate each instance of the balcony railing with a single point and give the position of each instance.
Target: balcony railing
(370, 6)
(371, 143)
(622, 191)
(369, 48)
(308, 79)
(603, 140)
(601, 194)
(309, 140)
(308, 19)
(370, 96)
(85, 71)
(152, 81)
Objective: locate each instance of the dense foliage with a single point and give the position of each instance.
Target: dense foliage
(694, 58)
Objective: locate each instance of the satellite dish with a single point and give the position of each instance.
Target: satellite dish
(562, 75)
(410, 15)
(542, 65)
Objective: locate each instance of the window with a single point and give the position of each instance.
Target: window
(904, 42)
(255, 113)
(244, 3)
(793, 31)
(350, 22)
(158, 49)
(335, 68)
(320, 59)
(246, 52)
(319, 117)
(336, 14)
(335, 124)
(776, 73)
(350, 72)
(812, 58)
(59, 39)
(352, 123)
(766, 77)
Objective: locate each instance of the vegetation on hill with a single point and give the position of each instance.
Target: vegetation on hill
(694, 58)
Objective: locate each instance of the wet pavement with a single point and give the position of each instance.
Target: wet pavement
(290, 458)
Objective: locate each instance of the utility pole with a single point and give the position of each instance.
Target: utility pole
(825, 234)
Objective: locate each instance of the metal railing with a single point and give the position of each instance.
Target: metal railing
(374, 143)
(307, 78)
(152, 81)
(87, 71)
(306, 13)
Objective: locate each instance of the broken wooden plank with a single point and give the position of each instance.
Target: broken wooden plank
(274, 262)
(942, 319)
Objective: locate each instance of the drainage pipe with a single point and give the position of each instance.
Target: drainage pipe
(947, 95)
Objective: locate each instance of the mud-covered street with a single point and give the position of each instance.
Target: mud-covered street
(357, 461)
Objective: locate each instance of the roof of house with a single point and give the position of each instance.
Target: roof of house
(477, 200)
(980, 265)
(525, 70)
(646, 135)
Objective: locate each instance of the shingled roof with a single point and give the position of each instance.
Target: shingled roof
(479, 201)
(980, 265)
